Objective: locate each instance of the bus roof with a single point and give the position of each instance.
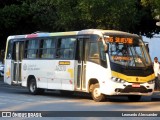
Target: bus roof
(82, 32)
(44, 34)
(109, 32)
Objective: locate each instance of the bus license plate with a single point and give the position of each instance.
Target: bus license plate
(135, 85)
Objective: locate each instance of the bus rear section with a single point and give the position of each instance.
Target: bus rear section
(13, 60)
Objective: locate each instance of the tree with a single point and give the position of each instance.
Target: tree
(82, 14)
(28, 16)
(154, 4)
(153, 7)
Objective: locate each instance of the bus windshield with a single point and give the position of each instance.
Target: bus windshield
(128, 51)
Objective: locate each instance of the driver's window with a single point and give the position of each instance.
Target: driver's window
(103, 58)
(93, 52)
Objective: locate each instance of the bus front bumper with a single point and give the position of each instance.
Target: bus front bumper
(129, 90)
(143, 89)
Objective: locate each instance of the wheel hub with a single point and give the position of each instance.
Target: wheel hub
(97, 92)
(32, 87)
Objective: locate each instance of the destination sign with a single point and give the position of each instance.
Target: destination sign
(124, 40)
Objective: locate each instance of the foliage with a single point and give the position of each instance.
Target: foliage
(28, 16)
(152, 7)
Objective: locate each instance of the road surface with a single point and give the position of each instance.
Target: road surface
(16, 98)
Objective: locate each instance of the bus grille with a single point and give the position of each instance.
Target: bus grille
(130, 89)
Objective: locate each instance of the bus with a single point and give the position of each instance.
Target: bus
(100, 62)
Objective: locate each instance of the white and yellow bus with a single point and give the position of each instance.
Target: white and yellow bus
(100, 62)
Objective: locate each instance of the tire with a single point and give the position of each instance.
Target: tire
(96, 95)
(33, 88)
(134, 98)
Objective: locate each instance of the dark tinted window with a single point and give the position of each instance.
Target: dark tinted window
(65, 48)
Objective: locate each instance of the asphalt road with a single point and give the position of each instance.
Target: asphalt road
(16, 98)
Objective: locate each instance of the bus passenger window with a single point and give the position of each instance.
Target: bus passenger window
(32, 49)
(47, 48)
(65, 48)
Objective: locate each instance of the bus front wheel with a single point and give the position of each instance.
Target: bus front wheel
(33, 88)
(96, 94)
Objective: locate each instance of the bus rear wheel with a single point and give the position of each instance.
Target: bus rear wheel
(96, 94)
(33, 88)
(134, 98)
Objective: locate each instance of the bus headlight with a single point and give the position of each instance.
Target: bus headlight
(118, 80)
(151, 82)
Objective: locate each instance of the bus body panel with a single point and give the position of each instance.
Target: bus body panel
(7, 71)
(112, 88)
(95, 71)
(49, 74)
(108, 86)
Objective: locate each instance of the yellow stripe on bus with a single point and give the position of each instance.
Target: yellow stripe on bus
(71, 73)
(133, 78)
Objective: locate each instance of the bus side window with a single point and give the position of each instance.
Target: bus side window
(102, 55)
(69, 48)
(47, 48)
(65, 48)
(31, 49)
(9, 50)
(93, 52)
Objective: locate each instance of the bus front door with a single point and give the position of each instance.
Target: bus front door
(81, 69)
(17, 56)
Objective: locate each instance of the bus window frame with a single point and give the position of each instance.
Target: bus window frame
(26, 49)
(74, 47)
(12, 45)
(92, 59)
(56, 42)
(11, 41)
(52, 48)
(93, 38)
